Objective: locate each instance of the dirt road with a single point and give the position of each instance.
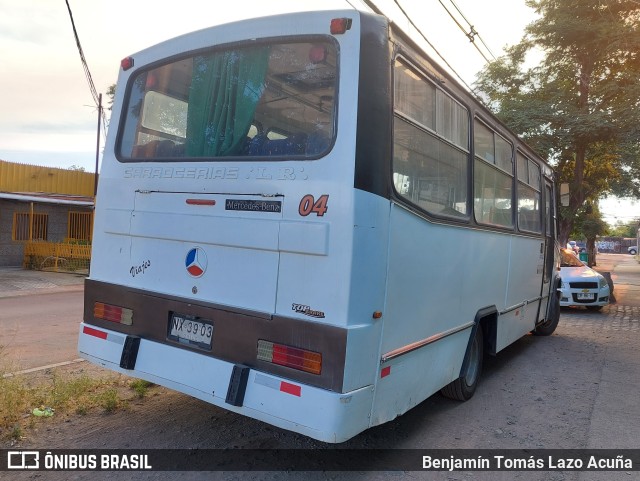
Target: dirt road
(575, 389)
(41, 329)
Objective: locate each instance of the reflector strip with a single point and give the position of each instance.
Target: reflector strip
(201, 202)
(94, 332)
(105, 336)
(290, 388)
(282, 386)
(384, 372)
(267, 381)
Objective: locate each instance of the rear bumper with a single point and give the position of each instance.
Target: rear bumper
(318, 413)
(236, 331)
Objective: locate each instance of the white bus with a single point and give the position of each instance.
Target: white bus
(304, 220)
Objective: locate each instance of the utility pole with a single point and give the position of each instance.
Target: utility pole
(95, 178)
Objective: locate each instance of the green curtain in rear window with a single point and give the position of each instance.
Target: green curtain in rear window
(225, 89)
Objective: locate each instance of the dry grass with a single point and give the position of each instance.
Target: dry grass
(67, 392)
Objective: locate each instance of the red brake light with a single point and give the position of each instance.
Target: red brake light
(340, 25)
(126, 63)
(111, 313)
(288, 356)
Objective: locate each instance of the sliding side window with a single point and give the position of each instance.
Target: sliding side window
(493, 177)
(529, 210)
(431, 145)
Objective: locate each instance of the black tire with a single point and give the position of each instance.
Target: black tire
(463, 388)
(548, 326)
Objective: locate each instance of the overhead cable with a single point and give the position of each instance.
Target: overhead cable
(85, 66)
(471, 34)
(431, 45)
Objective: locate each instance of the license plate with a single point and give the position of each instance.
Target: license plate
(190, 330)
(585, 297)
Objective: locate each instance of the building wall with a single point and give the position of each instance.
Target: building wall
(12, 252)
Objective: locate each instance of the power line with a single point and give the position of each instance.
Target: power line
(371, 4)
(471, 34)
(430, 44)
(87, 72)
(471, 27)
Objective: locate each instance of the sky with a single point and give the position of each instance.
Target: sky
(49, 118)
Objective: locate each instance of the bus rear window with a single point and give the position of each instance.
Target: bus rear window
(268, 100)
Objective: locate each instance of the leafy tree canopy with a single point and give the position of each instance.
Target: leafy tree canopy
(111, 93)
(580, 105)
(622, 229)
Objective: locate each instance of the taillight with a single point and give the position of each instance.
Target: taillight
(339, 26)
(126, 63)
(111, 313)
(288, 356)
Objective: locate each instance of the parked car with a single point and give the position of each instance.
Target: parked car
(581, 285)
(633, 250)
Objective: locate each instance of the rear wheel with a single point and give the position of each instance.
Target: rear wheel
(548, 326)
(463, 388)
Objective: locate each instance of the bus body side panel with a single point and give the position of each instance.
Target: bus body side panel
(406, 381)
(522, 301)
(371, 205)
(424, 268)
(428, 264)
(367, 290)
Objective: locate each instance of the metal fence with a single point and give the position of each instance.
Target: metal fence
(57, 256)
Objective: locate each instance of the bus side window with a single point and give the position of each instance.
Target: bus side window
(529, 220)
(500, 216)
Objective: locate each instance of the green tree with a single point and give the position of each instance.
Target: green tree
(589, 225)
(111, 93)
(625, 229)
(580, 106)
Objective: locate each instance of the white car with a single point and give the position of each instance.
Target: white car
(581, 285)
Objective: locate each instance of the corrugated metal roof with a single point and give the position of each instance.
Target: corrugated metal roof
(47, 198)
(16, 177)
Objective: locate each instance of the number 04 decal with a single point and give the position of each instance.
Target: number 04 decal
(308, 205)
